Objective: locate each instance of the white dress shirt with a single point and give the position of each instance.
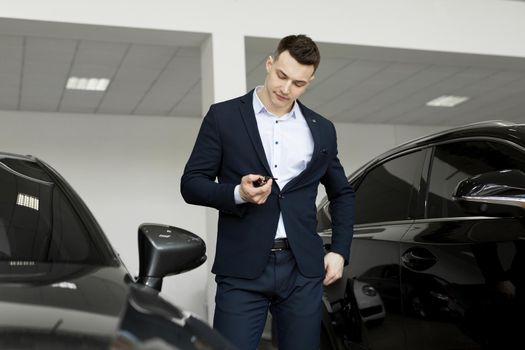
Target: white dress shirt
(288, 145)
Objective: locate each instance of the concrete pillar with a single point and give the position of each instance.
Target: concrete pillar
(223, 77)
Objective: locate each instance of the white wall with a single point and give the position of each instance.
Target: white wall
(127, 169)
(359, 143)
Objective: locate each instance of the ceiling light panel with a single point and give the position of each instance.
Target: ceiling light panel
(88, 84)
(447, 101)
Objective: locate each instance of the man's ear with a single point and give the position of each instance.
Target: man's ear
(269, 64)
(311, 78)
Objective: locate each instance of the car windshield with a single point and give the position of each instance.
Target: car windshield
(38, 223)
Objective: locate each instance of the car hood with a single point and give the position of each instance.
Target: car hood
(60, 306)
(65, 306)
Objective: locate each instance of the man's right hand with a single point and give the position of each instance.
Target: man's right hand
(252, 194)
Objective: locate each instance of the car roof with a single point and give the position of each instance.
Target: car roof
(491, 129)
(16, 156)
(485, 128)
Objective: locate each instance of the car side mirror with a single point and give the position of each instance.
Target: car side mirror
(167, 250)
(497, 193)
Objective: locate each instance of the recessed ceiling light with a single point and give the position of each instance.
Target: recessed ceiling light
(89, 84)
(447, 101)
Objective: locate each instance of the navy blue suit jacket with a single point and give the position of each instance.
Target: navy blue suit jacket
(228, 147)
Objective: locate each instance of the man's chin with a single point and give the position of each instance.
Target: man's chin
(282, 103)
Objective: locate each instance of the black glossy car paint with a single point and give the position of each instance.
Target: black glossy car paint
(62, 285)
(448, 279)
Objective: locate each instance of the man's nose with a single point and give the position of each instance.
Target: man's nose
(286, 87)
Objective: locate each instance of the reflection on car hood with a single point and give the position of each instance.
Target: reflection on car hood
(60, 306)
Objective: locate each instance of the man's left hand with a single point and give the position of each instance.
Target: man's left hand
(333, 267)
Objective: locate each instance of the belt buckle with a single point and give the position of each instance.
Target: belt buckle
(283, 245)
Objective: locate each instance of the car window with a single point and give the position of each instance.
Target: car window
(38, 222)
(386, 192)
(454, 162)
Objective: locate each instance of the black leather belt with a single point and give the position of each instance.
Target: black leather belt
(280, 244)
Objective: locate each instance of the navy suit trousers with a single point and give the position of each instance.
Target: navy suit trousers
(294, 300)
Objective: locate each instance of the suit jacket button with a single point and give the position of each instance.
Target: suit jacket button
(281, 196)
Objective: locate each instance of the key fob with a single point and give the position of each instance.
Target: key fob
(261, 181)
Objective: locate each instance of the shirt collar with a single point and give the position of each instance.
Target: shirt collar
(258, 106)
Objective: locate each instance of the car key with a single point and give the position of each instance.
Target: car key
(262, 180)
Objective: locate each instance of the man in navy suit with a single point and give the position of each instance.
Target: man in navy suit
(268, 153)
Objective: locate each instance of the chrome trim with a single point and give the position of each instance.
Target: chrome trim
(414, 221)
(478, 138)
(328, 232)
(517, 202)
(384, 223)
(455, 218)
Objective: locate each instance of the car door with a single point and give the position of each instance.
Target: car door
(385, 198)
(462, 275)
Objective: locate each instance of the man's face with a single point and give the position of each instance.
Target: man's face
(286, 80)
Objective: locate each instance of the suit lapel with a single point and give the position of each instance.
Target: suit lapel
(248, 117)
(311, 120)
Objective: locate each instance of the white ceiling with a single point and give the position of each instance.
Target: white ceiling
(158, 73)
(151, 72)
(386, 85)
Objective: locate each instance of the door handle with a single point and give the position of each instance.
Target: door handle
(418, 258)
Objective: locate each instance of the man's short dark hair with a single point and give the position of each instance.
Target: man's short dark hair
(303, 49)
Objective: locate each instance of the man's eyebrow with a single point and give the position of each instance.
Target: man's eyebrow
(286, 75)
(283, 73)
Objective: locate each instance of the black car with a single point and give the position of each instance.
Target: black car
(62, 286)
(440, 237)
